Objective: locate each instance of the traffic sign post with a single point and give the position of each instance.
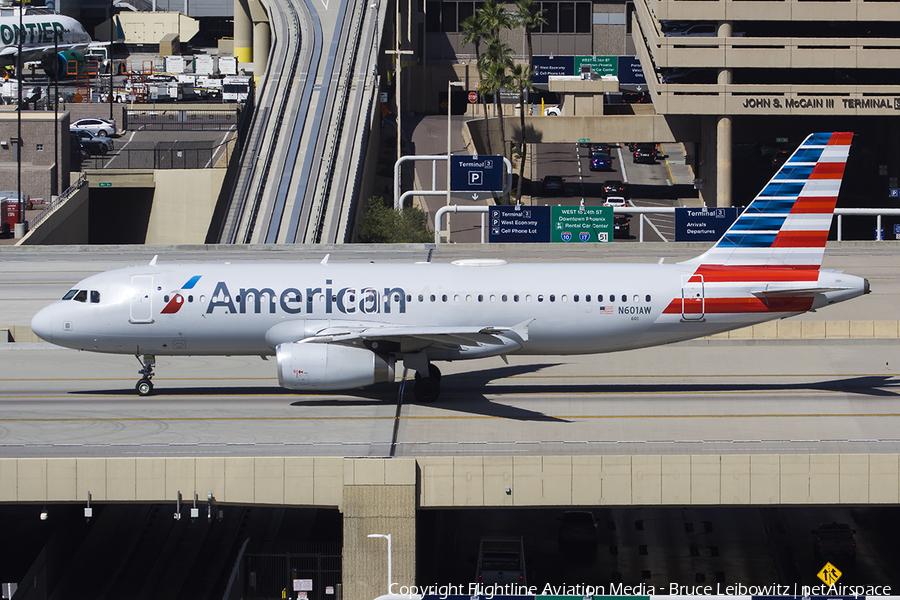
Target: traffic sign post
(472, 174)
(519, 224)
(473, 97)
(582, 224)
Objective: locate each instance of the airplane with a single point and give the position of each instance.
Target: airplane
(342, 326)
(54, 40)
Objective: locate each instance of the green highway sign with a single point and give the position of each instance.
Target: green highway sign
(575, 224)
(105, 184)
(584, 140)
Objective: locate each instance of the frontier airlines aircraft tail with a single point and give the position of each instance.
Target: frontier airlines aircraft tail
(335, 326)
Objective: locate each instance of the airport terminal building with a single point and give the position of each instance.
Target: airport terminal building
(737, 81)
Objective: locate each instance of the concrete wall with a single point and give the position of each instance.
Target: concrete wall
(183, 205)
(383, 493)
(68, 224)
(44, 174)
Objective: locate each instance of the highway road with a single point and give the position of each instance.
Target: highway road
(716, 396)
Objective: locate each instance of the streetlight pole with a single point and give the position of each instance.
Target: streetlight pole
(388, 538)
(450, 86)
(20, 66)
(398, 61)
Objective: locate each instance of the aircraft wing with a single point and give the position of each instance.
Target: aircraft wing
(414, 337)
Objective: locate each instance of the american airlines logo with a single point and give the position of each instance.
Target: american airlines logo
(177, 301)
(293, 301)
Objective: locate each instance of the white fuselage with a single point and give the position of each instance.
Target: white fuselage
(221, 309)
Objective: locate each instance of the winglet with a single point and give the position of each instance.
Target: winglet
(522, 329)
(325, 260)
(153, 260)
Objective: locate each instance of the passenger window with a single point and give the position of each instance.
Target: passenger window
(527, 297)
(612, 297)
(480, 298)
(599, 297)
(540, 297)
(421, 298)
(166, 298)
(575, 298)
(70, 294)
(516, 298)
(190, 298)
(432, 298)
(624, 298)
(647, 298)
(468, 297)
(408, 298)
(493, 298)
(456, 297)
(637, 298)
(564, 298)
(552, 298)
(503, 297)
(587, 298)
(81, 296)
(95, 297)
(444, 298)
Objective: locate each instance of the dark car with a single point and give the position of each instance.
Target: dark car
(644, 153)
(834, 541)
(621, 226)
(93, 144)
(601, 162)
(614, 187)
(577, 530)
(635, 97)
(553, 184)
(602, 148)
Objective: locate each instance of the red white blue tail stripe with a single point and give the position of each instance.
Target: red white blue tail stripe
(787, 223)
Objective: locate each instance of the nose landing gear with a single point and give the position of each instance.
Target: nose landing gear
(144, 387)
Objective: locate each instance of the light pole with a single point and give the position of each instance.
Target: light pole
(386, 536)
(398, 60)
(450, 86)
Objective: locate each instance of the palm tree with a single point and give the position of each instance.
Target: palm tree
(495, 17)
(529, 15)
(496, 62)
(474, 31)
(520, 77)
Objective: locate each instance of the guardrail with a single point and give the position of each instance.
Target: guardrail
(59, 201)
(840, 212)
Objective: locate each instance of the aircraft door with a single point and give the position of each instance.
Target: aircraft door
(141, 299)
(693, 300)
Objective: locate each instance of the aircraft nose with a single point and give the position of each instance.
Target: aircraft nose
(42, 323)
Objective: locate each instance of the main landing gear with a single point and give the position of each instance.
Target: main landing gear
(428, 389)
(144, 387)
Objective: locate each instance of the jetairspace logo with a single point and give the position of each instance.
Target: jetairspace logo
(348, 300)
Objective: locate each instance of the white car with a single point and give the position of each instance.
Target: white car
(615, 201)
(101, 127)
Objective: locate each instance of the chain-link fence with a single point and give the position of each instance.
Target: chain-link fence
(183, 119)
(165, 155)
(272, 569)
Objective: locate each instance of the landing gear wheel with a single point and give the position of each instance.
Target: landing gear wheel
(144, 387)
(433, 373)
(427, 389)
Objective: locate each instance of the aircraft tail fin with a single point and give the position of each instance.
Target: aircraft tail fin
(787, 223)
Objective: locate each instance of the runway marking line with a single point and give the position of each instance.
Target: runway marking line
(443, 417)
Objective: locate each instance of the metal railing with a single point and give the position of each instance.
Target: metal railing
(840, 212)
(59, 201)
(183, 119)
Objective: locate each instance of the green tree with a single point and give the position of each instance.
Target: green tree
(494, 17)
(530, 16)
(497, 61)
(474, 31)
(520, 79)
(383, 225)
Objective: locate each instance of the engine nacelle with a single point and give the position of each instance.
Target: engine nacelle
(330, 367)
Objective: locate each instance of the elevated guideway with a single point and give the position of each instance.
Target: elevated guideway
(302, 161)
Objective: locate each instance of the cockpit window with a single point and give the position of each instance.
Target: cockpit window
(81, 296)
(95, 297)
(69, 294)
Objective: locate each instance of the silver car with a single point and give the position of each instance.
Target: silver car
(97, 126)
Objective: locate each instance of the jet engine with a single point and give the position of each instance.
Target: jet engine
(330, 366)
(67, 62)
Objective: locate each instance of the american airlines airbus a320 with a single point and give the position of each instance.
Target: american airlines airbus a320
(342, 326)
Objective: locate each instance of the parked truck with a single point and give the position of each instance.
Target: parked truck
(501, 560)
